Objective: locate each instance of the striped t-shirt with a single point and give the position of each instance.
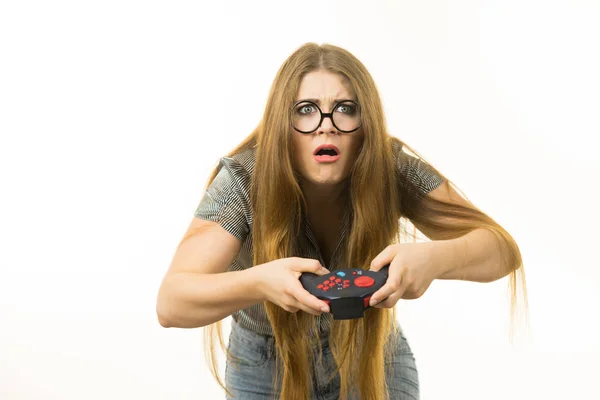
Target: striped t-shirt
(227, 201)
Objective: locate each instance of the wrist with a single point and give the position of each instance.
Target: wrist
(448, 256)
(255, 278)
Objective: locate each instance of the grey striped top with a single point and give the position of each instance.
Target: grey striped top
(227, 201)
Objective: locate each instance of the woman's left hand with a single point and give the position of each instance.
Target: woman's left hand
(410, 273)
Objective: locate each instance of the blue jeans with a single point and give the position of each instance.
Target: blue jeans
(251, 378)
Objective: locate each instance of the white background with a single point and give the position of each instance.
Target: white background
(113, 114)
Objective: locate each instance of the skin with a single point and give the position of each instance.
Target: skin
(322, 183)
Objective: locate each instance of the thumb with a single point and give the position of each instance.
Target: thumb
(384, 258)
(310, 265)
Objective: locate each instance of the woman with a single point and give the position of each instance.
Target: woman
(320, 185)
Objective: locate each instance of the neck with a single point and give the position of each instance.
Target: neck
(323, 196)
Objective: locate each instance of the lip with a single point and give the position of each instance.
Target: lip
(326, 158)
(327, 146)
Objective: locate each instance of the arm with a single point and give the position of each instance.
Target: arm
(476, 256)
(196, 291)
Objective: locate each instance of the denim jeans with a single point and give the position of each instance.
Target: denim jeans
(251, 377)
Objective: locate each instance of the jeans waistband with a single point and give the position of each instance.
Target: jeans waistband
(256, 340)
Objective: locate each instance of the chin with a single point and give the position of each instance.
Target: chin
(327, 180)
(324, 176)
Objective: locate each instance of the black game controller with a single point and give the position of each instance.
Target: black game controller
(347, 290)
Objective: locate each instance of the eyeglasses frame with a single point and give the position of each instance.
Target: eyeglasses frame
(327, 115)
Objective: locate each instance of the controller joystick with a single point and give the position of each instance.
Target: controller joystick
(347, 290)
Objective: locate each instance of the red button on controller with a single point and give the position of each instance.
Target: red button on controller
(364, 281)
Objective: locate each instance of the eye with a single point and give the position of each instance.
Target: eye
(346, 109)
(305, 109)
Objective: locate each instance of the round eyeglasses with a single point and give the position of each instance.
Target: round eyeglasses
(307, 117)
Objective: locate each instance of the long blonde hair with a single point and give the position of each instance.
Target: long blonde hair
(381, 203)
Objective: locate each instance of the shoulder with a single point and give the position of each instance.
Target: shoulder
(227, 198)
(415, 169)
(244, 161)
(237, 169)
(404, 157)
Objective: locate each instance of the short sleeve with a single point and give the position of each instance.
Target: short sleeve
(226, 202)
(417, 171)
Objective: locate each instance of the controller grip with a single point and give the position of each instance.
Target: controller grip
(385, 270)
(307, 277)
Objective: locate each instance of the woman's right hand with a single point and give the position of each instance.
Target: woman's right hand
(280, 284)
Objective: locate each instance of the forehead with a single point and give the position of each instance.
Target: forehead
(325, 86)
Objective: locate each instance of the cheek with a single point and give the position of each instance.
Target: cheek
(355, 147)
(300, 149)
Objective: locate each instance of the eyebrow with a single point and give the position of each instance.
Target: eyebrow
(335, 101)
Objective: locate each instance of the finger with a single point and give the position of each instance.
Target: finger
(383, 258)
(308, 265)
(390, 301)
(310, 301)
(307, 309)
(392, 286)
(291, 306)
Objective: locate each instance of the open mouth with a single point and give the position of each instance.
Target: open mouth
(326, 153)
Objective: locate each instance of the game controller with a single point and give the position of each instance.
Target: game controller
(347, 291)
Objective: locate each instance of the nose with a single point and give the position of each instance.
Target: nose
(326, 126)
